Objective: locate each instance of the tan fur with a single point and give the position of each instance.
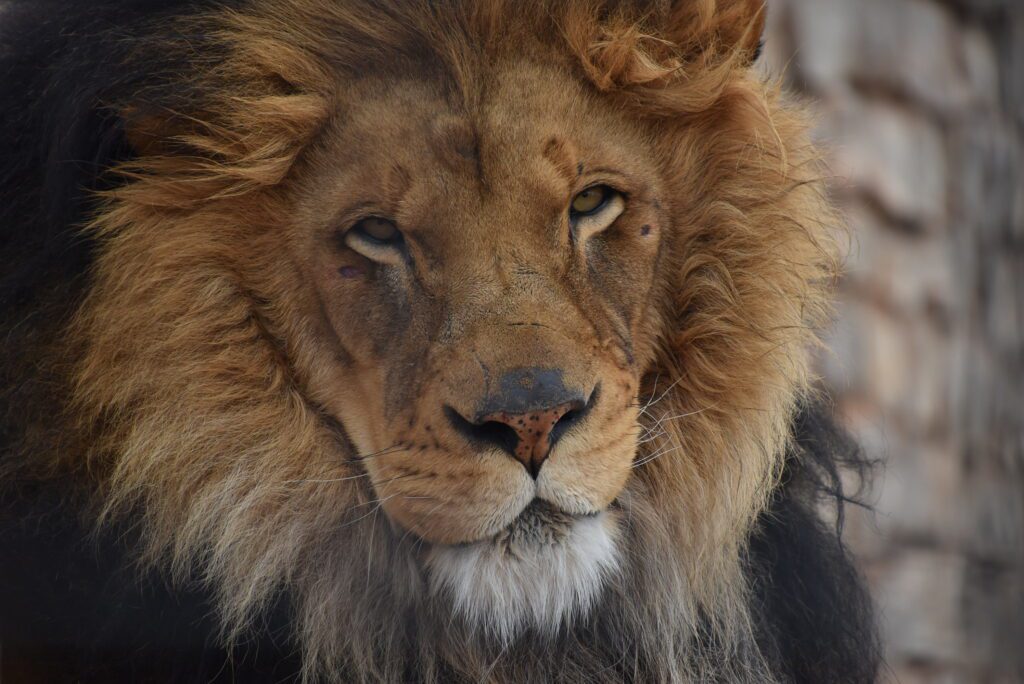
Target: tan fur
(243, 408)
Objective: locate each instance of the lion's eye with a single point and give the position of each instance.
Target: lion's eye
(594, 210)
(377, 239)
(379, 230)
(590, 200)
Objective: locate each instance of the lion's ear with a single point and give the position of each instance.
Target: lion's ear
(724, 27)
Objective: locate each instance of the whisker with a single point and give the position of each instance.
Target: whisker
(326, 480)
(380, 504)
(653, 400)
(383, 452)
(662, 419)
(651, 435)
(654, 391)
(358, 458)
(353, 477)
(656, 455)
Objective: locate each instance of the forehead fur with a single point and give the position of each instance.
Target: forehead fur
(278, 66)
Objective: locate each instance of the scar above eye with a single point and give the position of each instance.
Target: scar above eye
(579, 169)
(561, 153)
(350, 271)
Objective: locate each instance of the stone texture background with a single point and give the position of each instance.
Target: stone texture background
(921, 104)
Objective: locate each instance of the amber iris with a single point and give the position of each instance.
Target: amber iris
(590, 200)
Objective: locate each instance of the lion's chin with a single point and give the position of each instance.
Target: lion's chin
(547, 569)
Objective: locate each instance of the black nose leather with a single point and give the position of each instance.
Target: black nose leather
(524, 390)
(531, 409)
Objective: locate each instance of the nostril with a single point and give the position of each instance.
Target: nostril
(563, 425)
(574, 416)
(490, 433)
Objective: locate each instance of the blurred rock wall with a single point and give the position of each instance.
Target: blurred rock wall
(921, 103)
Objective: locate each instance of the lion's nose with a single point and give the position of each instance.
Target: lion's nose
(533, 430)
(530, 411)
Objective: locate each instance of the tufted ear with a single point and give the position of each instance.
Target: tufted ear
(721, 26)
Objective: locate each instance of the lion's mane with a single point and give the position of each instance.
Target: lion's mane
(149, 379)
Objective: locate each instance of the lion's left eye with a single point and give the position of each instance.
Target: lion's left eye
(593, 210)
(590, 201)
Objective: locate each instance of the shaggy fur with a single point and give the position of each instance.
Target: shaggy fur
(165, 365)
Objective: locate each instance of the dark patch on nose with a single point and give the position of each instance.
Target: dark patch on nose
(523, 390)
(528, 414)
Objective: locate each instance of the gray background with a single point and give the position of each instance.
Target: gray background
(921, 103)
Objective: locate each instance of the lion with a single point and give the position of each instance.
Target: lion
(396, 340)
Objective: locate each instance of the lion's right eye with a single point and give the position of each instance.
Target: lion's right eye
(378, 239)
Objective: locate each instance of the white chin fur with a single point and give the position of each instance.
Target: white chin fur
(541, 578)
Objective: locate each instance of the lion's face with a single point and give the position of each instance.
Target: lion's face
(481, 290)
(538, 286)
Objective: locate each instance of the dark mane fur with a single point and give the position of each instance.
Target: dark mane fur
(71, 601)
(815, 619)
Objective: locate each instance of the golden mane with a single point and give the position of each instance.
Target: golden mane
(195, 379)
